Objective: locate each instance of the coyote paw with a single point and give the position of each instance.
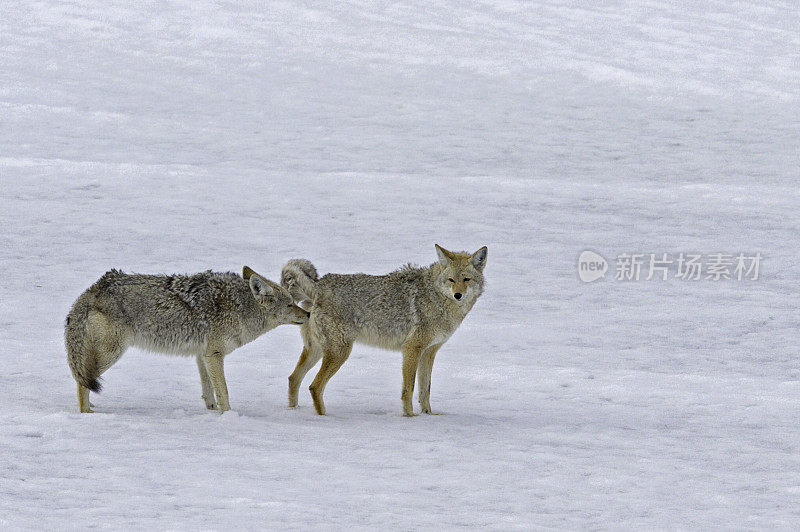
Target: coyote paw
(410, 414)
(211, 405)
(425, 406)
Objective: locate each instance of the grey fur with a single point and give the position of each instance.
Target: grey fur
(413, 309)
(207, 315)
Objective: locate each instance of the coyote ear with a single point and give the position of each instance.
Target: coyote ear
(444, 256)
(478, 259)
(247, 273)
(260, 287)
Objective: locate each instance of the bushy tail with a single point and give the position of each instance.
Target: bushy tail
(82, 360)
(300, 277)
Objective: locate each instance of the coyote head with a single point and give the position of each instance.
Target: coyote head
(461, 276)
(275, 301)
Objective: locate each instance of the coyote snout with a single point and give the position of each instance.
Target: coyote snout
(300, 315)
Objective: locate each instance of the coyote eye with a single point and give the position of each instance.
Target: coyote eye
(467, 279)
(451, 280)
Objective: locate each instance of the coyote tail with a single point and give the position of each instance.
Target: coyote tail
(82, 360)
(300, 277)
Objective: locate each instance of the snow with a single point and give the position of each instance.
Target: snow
(183, 136)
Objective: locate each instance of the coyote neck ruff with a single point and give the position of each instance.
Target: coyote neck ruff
(413, 310)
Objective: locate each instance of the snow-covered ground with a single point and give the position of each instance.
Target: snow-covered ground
(181, 136)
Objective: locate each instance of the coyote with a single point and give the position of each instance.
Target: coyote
(413, 310)
(207, 314)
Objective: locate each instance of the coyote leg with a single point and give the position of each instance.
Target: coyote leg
(411, 355)
(205, 382)
(83, 400)
(216, 373)
(332, 360)
(424, 377)
(306, 362)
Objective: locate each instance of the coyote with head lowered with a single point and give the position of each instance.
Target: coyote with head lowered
(207, 315)
(413, 310)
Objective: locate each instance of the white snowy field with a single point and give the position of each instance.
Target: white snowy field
(183, 136)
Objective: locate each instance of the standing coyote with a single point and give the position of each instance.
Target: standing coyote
(413, 310)
(207, 314)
